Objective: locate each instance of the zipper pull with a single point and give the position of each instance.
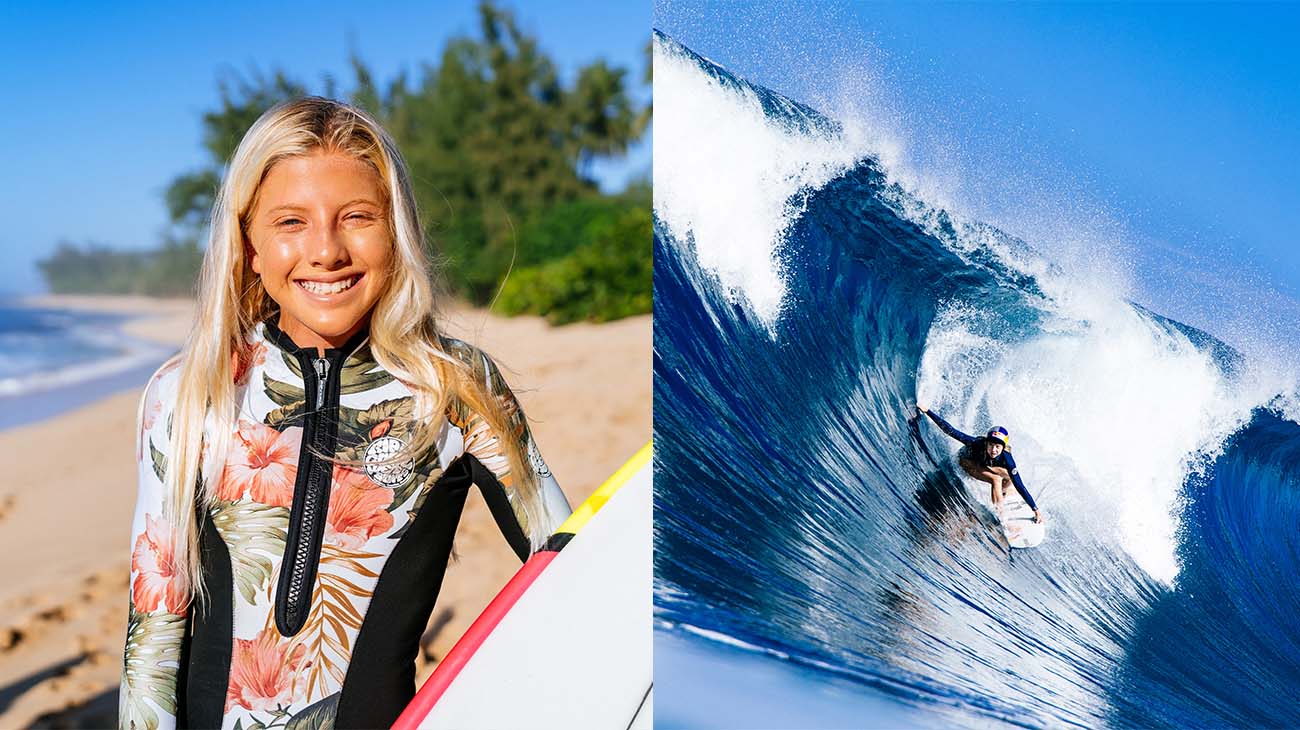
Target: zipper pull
(322, 373)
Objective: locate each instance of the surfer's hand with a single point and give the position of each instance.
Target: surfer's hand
(921, 408)
(1038, 515)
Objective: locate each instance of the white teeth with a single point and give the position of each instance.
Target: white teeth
(316, 287)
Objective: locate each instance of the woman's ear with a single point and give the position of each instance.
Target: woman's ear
(250, 253)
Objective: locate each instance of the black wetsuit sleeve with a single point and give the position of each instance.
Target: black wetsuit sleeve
(1016, 480)
(493, 472)
(947, 428)
(498, 500)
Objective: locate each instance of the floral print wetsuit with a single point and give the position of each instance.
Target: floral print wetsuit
(320, 576)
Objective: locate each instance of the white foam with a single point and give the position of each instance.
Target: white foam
(1111, 409)
(49, 380)
(732, 180)
(25, 370)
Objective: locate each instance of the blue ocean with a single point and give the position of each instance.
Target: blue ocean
(820, 560)
(53, 359)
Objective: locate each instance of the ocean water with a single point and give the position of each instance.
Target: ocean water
(54, 359)
(811, 533)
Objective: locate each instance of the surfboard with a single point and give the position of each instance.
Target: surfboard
(567, 642)
(1018, 523)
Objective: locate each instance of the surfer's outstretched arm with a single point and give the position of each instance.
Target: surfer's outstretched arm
(947, 428)
(1018, 482)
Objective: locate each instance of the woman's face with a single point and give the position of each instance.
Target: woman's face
(320, 243)
(993, 449)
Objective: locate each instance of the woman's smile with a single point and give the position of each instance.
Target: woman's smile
(328, 290)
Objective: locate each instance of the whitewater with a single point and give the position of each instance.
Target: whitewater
(811, 534)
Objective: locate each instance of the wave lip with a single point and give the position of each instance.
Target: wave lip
(732, 164)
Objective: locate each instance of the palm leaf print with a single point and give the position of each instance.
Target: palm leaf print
(398, 410)
(404, 493)
(333, 613)
(254, 533)
(291, 362)
(317, 716)
(290, 414)
(159, 462)
(152, 651)
(282, 394)
(368, 381)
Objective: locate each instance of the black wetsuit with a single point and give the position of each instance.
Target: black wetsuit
(974, 449)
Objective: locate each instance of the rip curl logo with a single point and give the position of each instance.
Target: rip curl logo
(392, 474)
(535, 458)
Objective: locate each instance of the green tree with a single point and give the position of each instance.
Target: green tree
(494, 139)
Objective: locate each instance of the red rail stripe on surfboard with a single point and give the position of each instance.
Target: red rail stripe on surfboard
(460, 654)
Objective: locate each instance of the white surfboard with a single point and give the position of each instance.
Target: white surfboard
(567, 643)
(1018, 523)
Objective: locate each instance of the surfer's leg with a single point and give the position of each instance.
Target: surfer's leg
(975, 470)
(988, 474)
(1004, 476)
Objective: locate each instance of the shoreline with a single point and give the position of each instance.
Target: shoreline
(157, 320)
(67, 501)
(149, 331)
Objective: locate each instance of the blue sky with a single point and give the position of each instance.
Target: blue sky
(1170, 131)
(103, 100)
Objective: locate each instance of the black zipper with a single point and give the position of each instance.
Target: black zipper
(307, 516)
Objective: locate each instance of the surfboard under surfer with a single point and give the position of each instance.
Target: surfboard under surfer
(988, 459)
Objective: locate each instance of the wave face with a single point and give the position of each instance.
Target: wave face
(803, 302)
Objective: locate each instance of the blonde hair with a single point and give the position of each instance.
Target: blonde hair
(404, 336)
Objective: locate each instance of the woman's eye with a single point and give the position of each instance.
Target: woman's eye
(360, 216)
(289, 222)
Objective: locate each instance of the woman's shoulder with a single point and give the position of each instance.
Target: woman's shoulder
(477, 360)
(166, 377)
(161, 388)
(485, 371)
(460, 349)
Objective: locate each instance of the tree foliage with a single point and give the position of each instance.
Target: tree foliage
(606, 274)
(168, 271)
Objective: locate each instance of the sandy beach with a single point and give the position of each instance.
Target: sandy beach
(69, 491)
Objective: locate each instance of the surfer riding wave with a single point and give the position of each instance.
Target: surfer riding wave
(988, 459)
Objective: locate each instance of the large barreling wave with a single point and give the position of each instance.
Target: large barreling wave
(806, 521)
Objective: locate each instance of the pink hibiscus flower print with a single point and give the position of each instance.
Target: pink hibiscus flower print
(358, 509)
(263, 463)
(242, 361)
(265, 674)
(153, 563)
(152, 409)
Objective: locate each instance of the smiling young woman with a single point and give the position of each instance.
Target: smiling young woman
(304, 460)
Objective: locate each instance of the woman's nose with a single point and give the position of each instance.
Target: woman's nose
(328, 249)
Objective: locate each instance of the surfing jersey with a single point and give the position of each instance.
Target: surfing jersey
(320, 575)
(973, 449)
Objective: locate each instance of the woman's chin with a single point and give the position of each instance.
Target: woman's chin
(335, 329)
